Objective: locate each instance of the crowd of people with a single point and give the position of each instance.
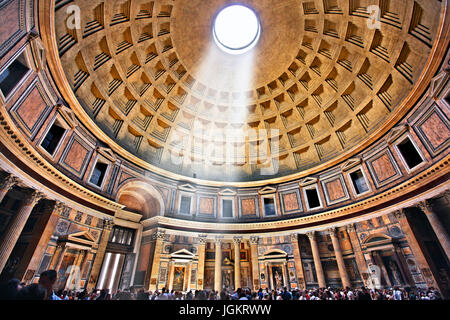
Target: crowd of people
(43, 290)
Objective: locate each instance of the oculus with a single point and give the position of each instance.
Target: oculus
(236, 29)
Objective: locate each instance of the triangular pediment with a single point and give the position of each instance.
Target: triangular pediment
(80, 238)
(187, 187)
(183, 253)
(396, 132)
(351, 163)
(275, 253)
(307, 181)
(437, 83)
(107, 153)
(267, 190)
(227, 192)
(68, 115)
(82, 235)
(39, 52)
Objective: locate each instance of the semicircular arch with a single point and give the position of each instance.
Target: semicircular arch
(141, 197)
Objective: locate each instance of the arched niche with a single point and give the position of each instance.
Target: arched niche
(141, 197)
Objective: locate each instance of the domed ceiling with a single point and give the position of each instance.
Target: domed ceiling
(324, 77)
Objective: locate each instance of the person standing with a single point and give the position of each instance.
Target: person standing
(47, 280)
(397, 294)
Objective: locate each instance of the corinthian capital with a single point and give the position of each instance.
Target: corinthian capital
(254, 239)
(332, 231)
(159, 235)
(311, 235)
(237, 240)
(425, 206)
(108, 224)
(202, 239)
(351, 228)
(59, 208)
(33, 197)
(399, 214)
(8, 181)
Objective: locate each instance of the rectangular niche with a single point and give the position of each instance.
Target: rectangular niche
(53, 137)
(269, 205)
(185, 207)
(359, 181)
(12, 75)
(409, 153)
(227, 208)
(98, 173)
(312, 197)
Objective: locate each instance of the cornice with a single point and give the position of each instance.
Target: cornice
(12, 139)
(46, 19)
(340, 216)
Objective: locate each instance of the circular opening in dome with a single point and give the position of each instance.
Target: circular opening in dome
(236, 29)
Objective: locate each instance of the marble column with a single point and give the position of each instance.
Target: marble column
(39, 243)
(359, 257)
(57, 259)
(158, 237)
(187, 286)
(436, 224)
(339, 258)
(416, 250)
(298, 262)
(237, 262)
(6, 183)
(83, 263)
(171, 275)
(201, 262)
(316, 256)
(15, 227)
(268, 267)
(218, 265)
(254, 262)
(285, 276)
(101, 250)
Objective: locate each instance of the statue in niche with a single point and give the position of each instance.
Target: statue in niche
(375, 275)
(227, 280)
(277, 277)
